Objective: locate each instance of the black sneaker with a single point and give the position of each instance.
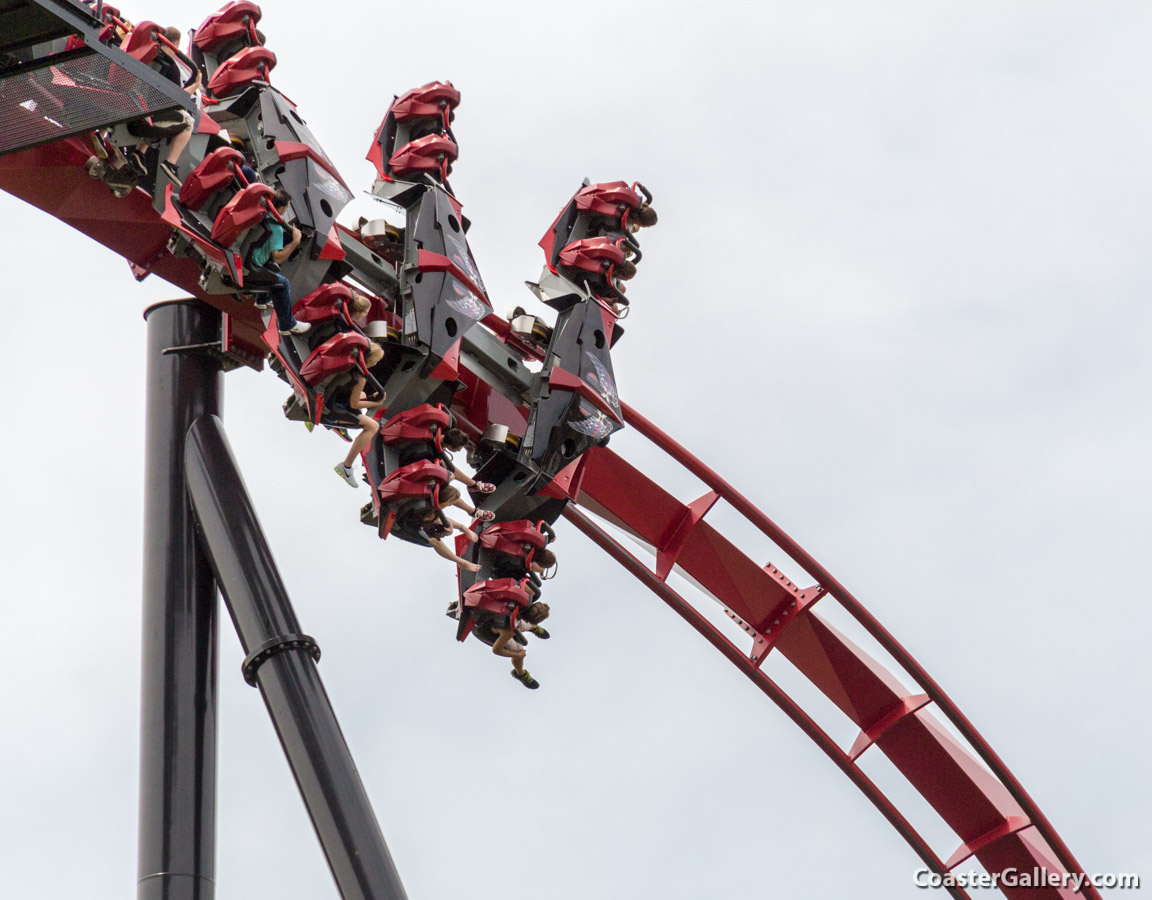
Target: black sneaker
(136, 160)
(170, 171)
(540, 631)
(526, 679)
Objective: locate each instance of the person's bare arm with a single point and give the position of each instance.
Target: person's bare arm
(472, 536)
(442, 549)
(498, 647)
(359, 400)
(282, 254)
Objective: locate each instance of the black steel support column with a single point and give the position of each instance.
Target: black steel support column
(281, 662)
(177, 841)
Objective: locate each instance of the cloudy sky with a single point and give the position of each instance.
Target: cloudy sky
(898, 296)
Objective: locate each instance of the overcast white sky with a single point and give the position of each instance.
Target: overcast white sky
(898, 295)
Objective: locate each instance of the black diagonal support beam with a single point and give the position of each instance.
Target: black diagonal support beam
(281, 661)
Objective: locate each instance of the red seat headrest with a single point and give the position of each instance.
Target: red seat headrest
(216, 171)
(141, 41)
(228, 23)
(239, 71)
(247, 208)
(339, 353)
(436, 98)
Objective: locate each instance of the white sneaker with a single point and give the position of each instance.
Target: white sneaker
(298, 328)
(346, 473)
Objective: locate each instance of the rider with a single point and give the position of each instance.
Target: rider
(351, 404)
(450, 496)
(454, 440)
(267, 257)
(434, 527)
(497, 632)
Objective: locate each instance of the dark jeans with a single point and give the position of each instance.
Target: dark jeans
(282, 301)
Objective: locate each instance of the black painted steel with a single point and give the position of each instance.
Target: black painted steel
(177, 841)
(47, 95)
(287, 677)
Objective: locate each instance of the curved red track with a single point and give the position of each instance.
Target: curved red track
(970, 787)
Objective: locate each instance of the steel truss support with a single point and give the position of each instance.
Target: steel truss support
(281, 662)
(177, 841)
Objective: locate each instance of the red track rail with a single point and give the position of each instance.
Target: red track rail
(993, 816)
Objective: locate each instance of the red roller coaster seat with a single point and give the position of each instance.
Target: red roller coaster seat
(216, 171)
(246, 209)
(418, 479)
(431, 153)
(230, 22)
(596, 255)
(239, 71)
(416, 484)
(520, 538)
(437, 98)
(611, 199)
(141, 42)
(421, 424)
(338, 354)
(329, 301)
(498, 596)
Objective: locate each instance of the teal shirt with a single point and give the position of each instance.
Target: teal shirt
(275, 241)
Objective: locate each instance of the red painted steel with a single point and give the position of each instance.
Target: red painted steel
(792, 709)
(982, 802)
(52, 178)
